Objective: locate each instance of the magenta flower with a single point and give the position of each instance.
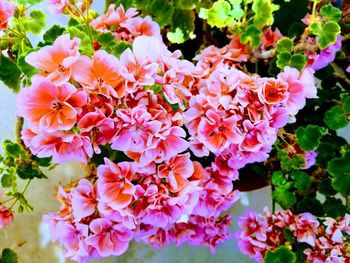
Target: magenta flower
(83, 200)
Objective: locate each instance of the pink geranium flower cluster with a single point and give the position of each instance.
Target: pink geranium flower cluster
(162, 112)
(327, 238)
(126, 25)
(155, 207)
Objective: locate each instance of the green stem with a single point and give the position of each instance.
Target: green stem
(8, 200)
(245, 10)
(273, 206)
(26, 186)
(86, 20)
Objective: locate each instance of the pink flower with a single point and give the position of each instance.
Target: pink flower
(274, 91)
(108, 238)
(100, 75)
(99, 128)
(49, 107)
(269, 38)
(6, 216)
(253, 225)
(113, 184)
(141, 63)
(310, 159)
(296, 99)
(56, 61)
(306, 228)
(63, 147)
(83, 200)
(56, 7)
(217, 132)
(327, 55)
(7, 10)
(176, 171)
(348, 69)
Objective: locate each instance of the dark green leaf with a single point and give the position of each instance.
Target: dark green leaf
(284, 197)
(339, 168)
(309, 137)
(284, 45)
(12, 149)
(281, 254)
(335, 118)
(9, 256)
(311, 205)
(120, 47)
(297, 162)
(53, 33)
(325, 187)
(278, 178)
(7, 180)
(9, 74)
(302, 180)
(334, 207)
(251, 34)
(26, 171)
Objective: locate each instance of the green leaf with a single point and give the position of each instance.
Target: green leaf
(327, 33)
(35, 22)
(311, 205)
(296, 29)
(7, 180)
(107, 41)
(309, 137)
(325, 152)
(120, 47)
(185, 4)
(339, 168)
(297, 162)
(326, 188)
(335, 119)
(177, 37)
(12, 149)
(346, 104)
(289, 13)
(43, 162)
(284, 197)
(162, 11)
(281, 254)
(278, 178)
(331, 12)
(334, 207)
(283, 59)
(9, 74)
(85, 44)
(302, 180)
(26, 171)
(27, 69)
(53, 33)
(184, 20)
(218, 14)
(284, 45)
(298, 61)
(30, 2)
(9, 256)
(251, 34)
(236, 11)
(263, 12)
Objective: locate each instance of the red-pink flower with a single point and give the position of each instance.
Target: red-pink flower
(101, 74)
(108, 238)
(55, 62)
(6, 216)
(113, 184)
(49, 107)
(274, 91)
(7, 10)
(269, 38)
(83, 200)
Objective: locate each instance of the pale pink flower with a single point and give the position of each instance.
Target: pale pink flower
(108, 238)
(253, 224)
(55, 62)
(113, 184)
(56, 7)
(49, 107)
(83, 200)
(6, 216)
(101, 74)
(7, 10)
(63, 147)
